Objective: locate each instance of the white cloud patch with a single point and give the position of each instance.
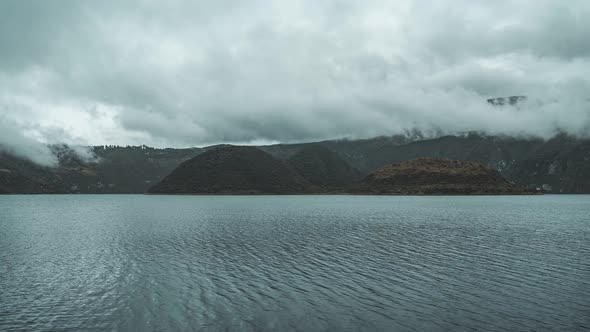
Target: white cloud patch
(185, 73)
(14, 141)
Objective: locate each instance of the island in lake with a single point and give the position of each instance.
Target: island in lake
(430, 176)
(314, 170)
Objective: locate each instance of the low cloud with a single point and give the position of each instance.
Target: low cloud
(190, 73)
(13, 141)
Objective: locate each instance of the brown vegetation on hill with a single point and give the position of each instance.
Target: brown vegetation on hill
(429, 176)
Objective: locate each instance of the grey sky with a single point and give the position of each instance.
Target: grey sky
(186, 73)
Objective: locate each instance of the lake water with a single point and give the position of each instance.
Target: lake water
(300, 263)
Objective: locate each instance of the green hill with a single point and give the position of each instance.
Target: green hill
(233, 170)
(323, 167)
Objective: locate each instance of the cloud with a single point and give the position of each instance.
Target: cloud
(13, 141)
(185, 73)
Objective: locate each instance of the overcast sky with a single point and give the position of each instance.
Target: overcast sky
(192, 73)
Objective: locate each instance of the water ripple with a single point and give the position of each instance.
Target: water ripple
(294, 263)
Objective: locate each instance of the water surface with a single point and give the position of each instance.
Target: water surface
(300, 263)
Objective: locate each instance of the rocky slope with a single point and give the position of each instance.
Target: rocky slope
(233, 170)
(429, 176)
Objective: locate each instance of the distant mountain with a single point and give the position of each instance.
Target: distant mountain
(323, 167)
(429, 176)
(503, 101)
(557, 165)
(233, 170)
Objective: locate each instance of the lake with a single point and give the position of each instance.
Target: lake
(294, 263)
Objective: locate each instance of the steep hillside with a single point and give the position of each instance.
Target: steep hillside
(11, 182)
(560, 165)
(19, 176)
(113, 170)
(323, 167)
(233, 170)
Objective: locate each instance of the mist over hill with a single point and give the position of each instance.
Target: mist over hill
(560, 164)
(182, 73)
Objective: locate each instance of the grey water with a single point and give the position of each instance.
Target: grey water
(294, 263)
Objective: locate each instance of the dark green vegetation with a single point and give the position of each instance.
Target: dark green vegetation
(323, 167)
(117, 170)
(558, 165)
(233, 170)
(437, 176)
(316, 169)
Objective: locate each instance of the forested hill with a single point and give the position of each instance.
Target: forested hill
(115, 169)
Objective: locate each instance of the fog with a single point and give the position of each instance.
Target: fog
(193, 73)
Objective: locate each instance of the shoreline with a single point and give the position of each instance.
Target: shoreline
(274, 194)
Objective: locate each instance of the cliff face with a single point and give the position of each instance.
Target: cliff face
(323, 167)
(233, 170)
(430, 176)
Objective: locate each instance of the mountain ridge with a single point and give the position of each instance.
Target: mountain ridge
(560, 164)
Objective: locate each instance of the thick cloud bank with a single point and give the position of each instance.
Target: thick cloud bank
(13, 141)
(183, 73)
